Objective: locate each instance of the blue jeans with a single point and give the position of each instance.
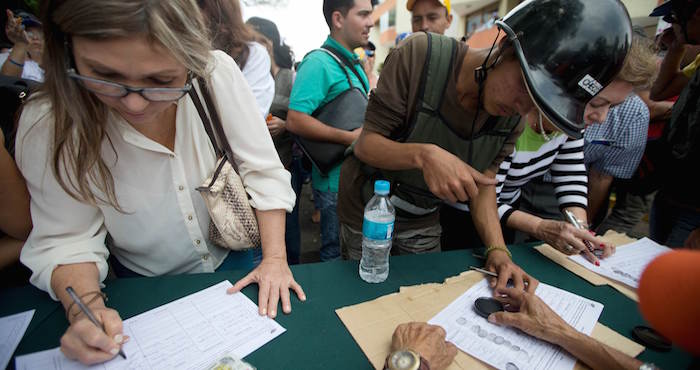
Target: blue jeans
(327, 203)
(669, 223)
(292, 229)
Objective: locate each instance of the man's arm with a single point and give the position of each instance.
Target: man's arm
(657, 109)
(17, 55)
(534, 317)
(485, 214)
(671, 79)
(15, 219)
(310, 128)
(598, 190)
(447, 177)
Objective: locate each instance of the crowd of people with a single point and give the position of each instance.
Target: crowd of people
(482, 147)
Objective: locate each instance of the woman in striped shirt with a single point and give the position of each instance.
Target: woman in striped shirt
(543, 150)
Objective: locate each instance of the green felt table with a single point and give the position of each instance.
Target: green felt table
(315, 337)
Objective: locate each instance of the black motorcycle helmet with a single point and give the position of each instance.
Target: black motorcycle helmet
(569, 50)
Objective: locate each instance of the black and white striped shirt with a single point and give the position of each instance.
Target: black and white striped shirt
(561, 157)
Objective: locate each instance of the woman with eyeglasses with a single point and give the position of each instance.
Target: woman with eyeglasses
(113, 148)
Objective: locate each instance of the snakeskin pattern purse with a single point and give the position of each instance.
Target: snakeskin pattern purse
(233, 223)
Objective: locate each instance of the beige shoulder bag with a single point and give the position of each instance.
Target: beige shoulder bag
(233, 223)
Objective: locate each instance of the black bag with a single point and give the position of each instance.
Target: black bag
(345, 112)
(13, 92)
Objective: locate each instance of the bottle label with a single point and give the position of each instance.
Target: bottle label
(377, 230)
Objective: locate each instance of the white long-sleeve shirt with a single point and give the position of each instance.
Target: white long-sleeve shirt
(257, 73)
(165, 227)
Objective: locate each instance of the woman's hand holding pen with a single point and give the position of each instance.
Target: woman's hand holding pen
(569, 240)
(87, 343)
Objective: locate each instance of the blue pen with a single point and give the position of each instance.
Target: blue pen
(603, 142)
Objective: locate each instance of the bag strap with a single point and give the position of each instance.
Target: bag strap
(205, 120)
(440, 59)
(440, 56)
(340, 64)
(210, 128)
(349, 64)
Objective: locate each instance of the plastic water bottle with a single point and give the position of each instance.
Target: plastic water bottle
(377, 230)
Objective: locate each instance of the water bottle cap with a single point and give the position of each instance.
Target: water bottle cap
(381, 187)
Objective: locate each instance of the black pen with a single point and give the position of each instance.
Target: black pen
(509, 284)
(89, 314)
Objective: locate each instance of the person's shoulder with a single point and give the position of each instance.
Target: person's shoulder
(418, 40)
(257, 53)
(219, 59)
(36, 122)
(316, 62)
(316, 57)
(221, 64)
(634, 105)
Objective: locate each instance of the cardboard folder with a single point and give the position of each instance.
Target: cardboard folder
(561, 259)
(372, 323)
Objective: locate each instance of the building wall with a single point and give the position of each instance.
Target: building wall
(638, 10)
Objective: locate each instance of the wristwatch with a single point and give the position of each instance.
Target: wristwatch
(406, 359)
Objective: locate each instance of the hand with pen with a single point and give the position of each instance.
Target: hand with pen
(570, 240)
(95, 332)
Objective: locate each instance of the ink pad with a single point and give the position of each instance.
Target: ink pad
(484, 306)
(651, 338)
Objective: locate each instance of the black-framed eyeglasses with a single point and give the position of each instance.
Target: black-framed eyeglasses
(115, 90)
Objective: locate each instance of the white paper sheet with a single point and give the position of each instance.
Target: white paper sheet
(508, 348)
(189, 333)
(628, 262)
(12, 330)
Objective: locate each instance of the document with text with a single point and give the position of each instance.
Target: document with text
(12, 330)
(509, 348)
(628, 262)
(190, 333)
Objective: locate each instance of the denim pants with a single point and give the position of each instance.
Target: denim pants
(292, 229)
(669, 223)
(327, 202)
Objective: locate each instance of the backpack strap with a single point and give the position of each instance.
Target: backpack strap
(348, 64)
(338, 61)
(441, 52)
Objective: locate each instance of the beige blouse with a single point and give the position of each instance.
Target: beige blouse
(164, 229)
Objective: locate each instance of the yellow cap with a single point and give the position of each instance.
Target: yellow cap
(445, 3)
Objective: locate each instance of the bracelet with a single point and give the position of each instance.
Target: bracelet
(20, 65)
(492, 248)
(97, 294)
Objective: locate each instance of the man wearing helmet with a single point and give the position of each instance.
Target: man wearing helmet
(430, 15)
(441, 139)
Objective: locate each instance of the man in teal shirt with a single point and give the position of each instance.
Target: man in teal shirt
(320, 79)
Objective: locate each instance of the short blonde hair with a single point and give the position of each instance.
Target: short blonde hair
(640, 68)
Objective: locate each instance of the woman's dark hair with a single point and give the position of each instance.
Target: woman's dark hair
(282, 53)
(227, 30)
